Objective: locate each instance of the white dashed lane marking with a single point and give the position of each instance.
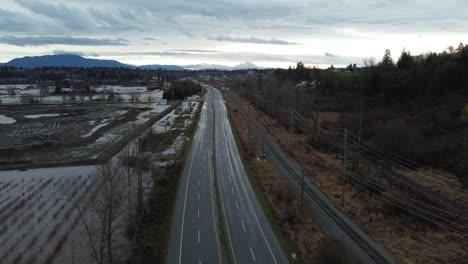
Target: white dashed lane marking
(251, 251)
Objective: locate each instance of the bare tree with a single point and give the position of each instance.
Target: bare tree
(129, 171)
(150, 101)
(140, 151)
(11, 91)
(111, 96)
(72, 97)
(82, 97)
(135, 97)
(118, 98)
(27, 99)
(451, 50)
(103, 215)
(368, 62)
(43, 90)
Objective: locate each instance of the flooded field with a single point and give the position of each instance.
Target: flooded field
(40, 216)
(50, 185)
(38, 213)
(16, 94)
(59, 132)
(56, 128)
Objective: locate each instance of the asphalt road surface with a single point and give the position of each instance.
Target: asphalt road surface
(209, 180)
(194, 237)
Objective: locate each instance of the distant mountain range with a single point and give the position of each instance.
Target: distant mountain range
(71, 60)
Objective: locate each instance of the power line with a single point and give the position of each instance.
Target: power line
(309, 124)
(366, 145)
(384, 188)
(399, 159)
(380, 188)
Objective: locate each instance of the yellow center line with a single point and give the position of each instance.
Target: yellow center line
(225, 220)
(212, 207)
(221, 195)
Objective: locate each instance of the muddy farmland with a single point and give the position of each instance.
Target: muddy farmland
(44, 134)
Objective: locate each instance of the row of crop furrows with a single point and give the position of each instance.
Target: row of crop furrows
(36, 221)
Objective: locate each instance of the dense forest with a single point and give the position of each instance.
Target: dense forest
(181, 89)
(91, 76)
(413, 106)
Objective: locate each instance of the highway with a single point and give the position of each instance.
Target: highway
(194, 234)
(227, 206)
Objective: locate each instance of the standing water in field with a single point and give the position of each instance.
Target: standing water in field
(4, 120)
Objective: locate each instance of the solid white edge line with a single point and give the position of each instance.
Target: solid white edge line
(185, 198)
(248, 198)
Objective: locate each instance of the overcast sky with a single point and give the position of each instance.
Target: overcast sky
(273, 33)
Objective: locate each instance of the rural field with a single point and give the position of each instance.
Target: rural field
(50, 134)
(39, 216)
(19, 93)
(50, 171)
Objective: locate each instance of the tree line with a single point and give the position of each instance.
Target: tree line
(181, 89)
(91, 76)
(412, 105)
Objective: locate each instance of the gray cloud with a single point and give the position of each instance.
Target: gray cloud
(187, 29)
(252, 40)
(197, 51)
(50, 40)
(239, 57)
(12, 21)
(144, 53)
(73, 18)
(63, 16)
(58, 52)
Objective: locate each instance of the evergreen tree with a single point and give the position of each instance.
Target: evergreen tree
(387, 61)
(406, 60)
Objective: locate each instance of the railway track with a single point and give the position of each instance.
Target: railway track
(338, 219)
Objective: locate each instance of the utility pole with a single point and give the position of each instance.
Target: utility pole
(140, 179)
(263, 146)
(302, 192)
(359, 136)
(314, 136)
(291, 126)
(291, 123)
(344, 165)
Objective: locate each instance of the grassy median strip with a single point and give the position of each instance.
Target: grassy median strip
(285, 243)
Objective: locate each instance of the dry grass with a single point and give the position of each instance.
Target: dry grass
(300, 229)
(180, 121)
(405, 238)
(449, 187)
(331, 117)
